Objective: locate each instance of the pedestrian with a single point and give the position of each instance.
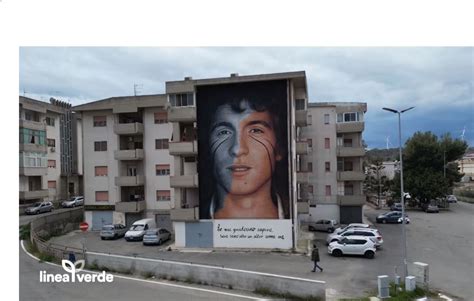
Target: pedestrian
(72, 257)
(315, 258)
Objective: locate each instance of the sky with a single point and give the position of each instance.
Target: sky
(438, 81)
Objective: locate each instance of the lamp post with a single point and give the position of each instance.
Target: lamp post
(404, 237)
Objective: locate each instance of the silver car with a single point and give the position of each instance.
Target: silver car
(326, 225)
(40, 207)
(73, 202)
(113, 231)
(156, 236)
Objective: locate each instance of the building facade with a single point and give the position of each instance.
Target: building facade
(334, 166)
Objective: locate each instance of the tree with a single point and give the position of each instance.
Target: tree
(424, 158)
(375, 181)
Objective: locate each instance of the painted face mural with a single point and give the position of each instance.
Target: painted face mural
(242, 150)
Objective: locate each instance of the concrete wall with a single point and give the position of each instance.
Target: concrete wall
(216, 276)
(58, 223)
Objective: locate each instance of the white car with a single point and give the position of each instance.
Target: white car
(73, 202)
(353, 245)
(353, 225)
(366, 232)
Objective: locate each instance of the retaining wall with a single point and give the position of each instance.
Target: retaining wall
(212, 275)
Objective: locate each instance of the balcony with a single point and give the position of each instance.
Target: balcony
(130, 207)
(350, 200)
(350, 176)
(302, 148)
(34, 148)
(33, 171)
(185, 214)
(182, 114)
(183, 148)
(130, 181)
(302, 207)
(302, 177)
(36, 194)
(134, 128)
(33, 125)
(350, 151)
(129, 154)
(301, 117)
(188, 181)
(350, 127)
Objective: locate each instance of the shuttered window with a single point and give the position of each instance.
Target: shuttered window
(101, 196)
(100, 121)
(52, 184)
(161, 117)
(163, 195)
(101, 171)
(162, 169)
(52, 163)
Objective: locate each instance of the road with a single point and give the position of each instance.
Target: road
(121, 289)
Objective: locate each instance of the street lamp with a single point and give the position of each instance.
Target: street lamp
(404, 237)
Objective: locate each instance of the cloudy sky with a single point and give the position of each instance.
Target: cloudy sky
(437, 81)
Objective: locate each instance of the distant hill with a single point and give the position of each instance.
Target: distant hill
(390, 154)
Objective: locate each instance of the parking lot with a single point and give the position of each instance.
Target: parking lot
(443, 240)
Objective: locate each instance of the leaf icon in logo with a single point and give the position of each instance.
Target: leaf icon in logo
(68, 266)
(81, 263)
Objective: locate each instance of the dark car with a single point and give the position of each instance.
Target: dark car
(396, 207)
(40, 207)
(431, 208)
(113, 231)
(392, 217)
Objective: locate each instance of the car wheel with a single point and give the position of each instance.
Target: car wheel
(103, 238)
(384, 221)
(337, 253)
(369, 254)
(310, 228)
(159, 242)
(330, 230)
(115, 236)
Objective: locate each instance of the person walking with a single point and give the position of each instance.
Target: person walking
(315, 259)
(72, 257)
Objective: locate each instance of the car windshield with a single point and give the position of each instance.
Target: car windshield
(108, 227)
(137, 228)
(151, 232)
(71, 199)
(37, 204)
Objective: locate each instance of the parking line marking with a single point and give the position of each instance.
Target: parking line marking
(150, 281)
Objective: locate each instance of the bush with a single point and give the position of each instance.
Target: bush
(25, 232)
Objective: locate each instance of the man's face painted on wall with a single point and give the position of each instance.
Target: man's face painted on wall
(243, 149)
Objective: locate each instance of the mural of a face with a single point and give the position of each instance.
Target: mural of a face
(243, 149)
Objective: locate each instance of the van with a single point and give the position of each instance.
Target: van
(138, 229)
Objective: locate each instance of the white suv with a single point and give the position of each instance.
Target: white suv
(370, 233)
(354, 225)
(353, 245)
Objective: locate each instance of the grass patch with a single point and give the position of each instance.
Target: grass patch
(148, 275)
(286, 296)
(25, 231)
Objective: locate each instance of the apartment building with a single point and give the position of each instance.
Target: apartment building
(334, 168)
(44, 139)
(127, 165)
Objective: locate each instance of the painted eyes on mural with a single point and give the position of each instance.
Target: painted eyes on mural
(256, 131)
(223, 133)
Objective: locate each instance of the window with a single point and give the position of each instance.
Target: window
(348, 166)
(310, 166)
(349, 117)
(348, 189)
(347, 142)
(327, 166)
(163, 195)
(101, 196)
(28, 136)
(340, 188)
(189, 159)
(327, 143)
(326, 118)
(162, 169)
(310, 188)
(101, 171)
(300, 104)
(100, 146)
(161, 117)
(100, 121)
(51, 142)
(28, 159)
(310, 142)
(51, 163)
(52, 184)
(161, 144)
(182, 100)
(50, 121)
(328, 190)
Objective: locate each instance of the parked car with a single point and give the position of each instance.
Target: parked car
(39, 207)
(353, 245)
(372, 233)
(138, 229)
(451, 198)
(113, 231)
(73, 202)
(156, 236)
(392, 217)
(326, 225)
(353, 225)
(431, 208)
(396, 207)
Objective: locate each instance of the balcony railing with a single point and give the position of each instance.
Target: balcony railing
(183, 148)
(351, 200)
(302, 177)
(33, 148)
(350, 176)
(130, 181)
(182, 114)
(185, 181)
(302, 207)
(33, 171)
(350, 151)
(130, 207)
(301, 117)
(185, 214)
(134, 128)
(302, 148)
(35, 194)
(129, 154)
(33, 125)
(350, 127)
